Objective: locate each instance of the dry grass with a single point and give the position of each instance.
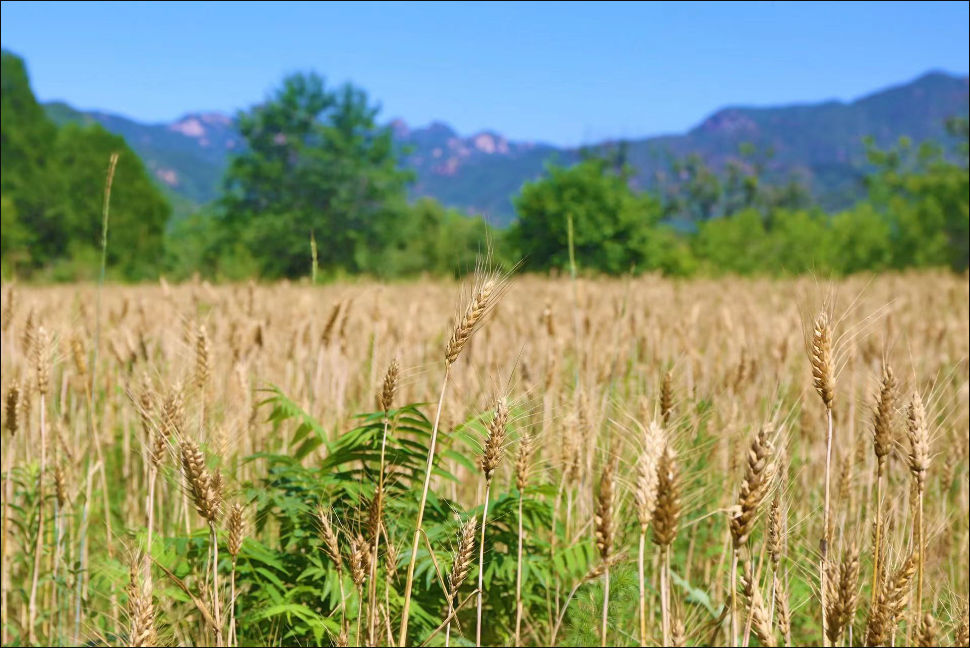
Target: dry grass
(682, 412)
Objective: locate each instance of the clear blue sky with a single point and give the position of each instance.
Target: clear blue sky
(561, 73)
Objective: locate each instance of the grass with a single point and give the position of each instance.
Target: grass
(290, 464)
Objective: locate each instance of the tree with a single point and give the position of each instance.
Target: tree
(139, 211)
(737, 243)
(697, 190)
(315, 160)
(924, 198)
(431, 238)
(28, 178)
(53, 184)
(613, 226)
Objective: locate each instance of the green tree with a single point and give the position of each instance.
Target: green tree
(862, 240)
(924, 198)
(139, 211)
(799, 241)
(315, 160)
(697, 191)
(28, 176)
(14, 237)
(431, 238)
(734, 244)
(614, 227)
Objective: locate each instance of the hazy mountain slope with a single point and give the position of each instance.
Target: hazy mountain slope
(821, 143)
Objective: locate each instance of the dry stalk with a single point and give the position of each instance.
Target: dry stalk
(823, 378)
(882, 442)
(645, 499)
(492, 455)
(523, 462)
(483, 299)
(919, 463)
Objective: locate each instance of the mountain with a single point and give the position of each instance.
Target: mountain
(187, 156)
(820, 143)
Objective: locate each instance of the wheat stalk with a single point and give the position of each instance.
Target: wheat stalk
(823, 378)
(331, 547)
(645, 499)
(919, 462)
(666, 518)
(883, 616)
(882, 441)
(206, 493)
(492, 454)
(42, 351)
(234, 525)
(754, 488)
(842, 594)
(388, 389)
(523, 462)
(605, 530)
(11, 407)
(483, 299)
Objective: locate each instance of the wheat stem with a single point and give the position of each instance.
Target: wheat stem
(233, 638)
(405, 611)
(371, 621)
(877, 549)
(665, 594)
(643, 590)
(39, 548)
(518, 579)
(825, 519)
(606, 603)
(734, 598)
(481, 566)
(216, 607)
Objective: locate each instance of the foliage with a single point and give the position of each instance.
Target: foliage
(615, 229)
(315, 160)
(52, 186)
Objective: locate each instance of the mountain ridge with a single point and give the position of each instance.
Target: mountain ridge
(821, 143)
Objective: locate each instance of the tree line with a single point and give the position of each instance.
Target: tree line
(318, 165)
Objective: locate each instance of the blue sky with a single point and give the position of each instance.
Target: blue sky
(561, 73)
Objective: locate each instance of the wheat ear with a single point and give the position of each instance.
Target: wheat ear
(482, 301)
(492, 455)
(523, 461)
(882, 441)
(603, 523)
(645, 499)
(823, 378)
(666, 519)
(460, 568)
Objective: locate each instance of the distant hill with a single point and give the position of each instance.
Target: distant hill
(821, 143)
(187, 156)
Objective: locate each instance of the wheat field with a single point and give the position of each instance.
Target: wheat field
(638, 461)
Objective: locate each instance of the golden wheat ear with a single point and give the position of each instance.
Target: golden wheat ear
(754, 488)
(603, 521)
(204, 492)
(463, 557)
(823, 371)
(390, 385)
